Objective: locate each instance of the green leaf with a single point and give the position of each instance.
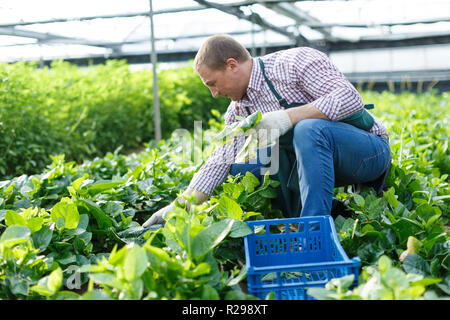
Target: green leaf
(103, 220)
(96, 295)
(102, 278)
(201, 269)
(101, 186)
(77, 183)
(239, 295)
(414, 263)
(239, 229)
(359, 200)
(268, 193)
(116, 257)
(427, 212)
(425, 282)
(13, 218)
(321, 293)
(210, 237)
(341, 283)
(135, 262)
(14, 235)
(54, 281)
(41, 289)
(240, 126)
(137, 288)
(42, 238)
(228, 207)
(209, 293)
(391, 198)
(395, 278)
(384, 264)
(405, 227)
(234, 281)
(66, 295)
(250, 182)
(82, 226)
(35, 224)
(66, 210)
(249, 150)
(67, 258)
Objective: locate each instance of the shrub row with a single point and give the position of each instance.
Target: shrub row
(86, 112)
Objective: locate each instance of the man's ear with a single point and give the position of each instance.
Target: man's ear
(233, 64)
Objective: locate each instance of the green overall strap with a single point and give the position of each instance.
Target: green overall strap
(361, 119)
(280, 99)
(288, 193)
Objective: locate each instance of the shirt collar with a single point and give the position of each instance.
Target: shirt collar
(254, 84)
(256, 76)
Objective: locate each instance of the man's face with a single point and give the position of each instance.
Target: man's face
(227, 83)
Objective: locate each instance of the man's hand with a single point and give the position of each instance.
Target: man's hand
(158, 216)
(272, 126)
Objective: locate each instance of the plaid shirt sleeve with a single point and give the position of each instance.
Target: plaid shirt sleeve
(215, 170)
(334, 95)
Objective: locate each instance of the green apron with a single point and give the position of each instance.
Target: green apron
(288, 193)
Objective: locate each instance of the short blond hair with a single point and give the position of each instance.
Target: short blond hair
(216, 50)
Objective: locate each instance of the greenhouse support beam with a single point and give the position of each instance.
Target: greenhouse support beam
(154, 60)
(104, 16)
(256, 18)
(395, 42)
(40, 36)
(142, 40)
(314, 25)
(50, 38)
(300, 17)
(134, 14)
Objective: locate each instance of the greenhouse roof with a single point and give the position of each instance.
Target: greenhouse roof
(76, 30)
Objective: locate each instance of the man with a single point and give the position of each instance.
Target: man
(326, 137)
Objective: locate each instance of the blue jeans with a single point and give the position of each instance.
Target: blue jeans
(330, 154)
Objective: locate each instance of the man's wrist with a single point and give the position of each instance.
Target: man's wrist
(307, 111)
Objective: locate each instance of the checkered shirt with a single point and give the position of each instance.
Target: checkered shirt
(302, 75)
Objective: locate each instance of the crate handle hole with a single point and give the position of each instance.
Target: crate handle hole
(296, 227)
(314, 226)
(259, 230)
(277, 228)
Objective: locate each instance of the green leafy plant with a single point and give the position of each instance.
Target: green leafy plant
(384, 282)
(73, 231)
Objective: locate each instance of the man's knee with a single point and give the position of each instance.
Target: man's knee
(307, 131)
(308, 126)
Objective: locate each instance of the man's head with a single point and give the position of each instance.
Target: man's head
(224, 66)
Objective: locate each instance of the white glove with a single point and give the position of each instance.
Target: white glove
(158, 216)
(272, 126)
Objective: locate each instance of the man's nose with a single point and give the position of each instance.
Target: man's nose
(214, 92)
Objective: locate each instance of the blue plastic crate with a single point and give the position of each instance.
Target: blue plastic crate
(288, 256)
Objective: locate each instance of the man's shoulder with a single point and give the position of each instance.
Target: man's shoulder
(294, 55)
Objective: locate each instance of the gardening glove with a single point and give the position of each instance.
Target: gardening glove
(272, 126)
(158, 216)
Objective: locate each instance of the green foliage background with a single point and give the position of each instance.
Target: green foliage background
(85, 112)
(84, 220)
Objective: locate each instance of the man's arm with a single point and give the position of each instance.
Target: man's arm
(334, 95)
(200, 196)
(212, 173)
(307, 111)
